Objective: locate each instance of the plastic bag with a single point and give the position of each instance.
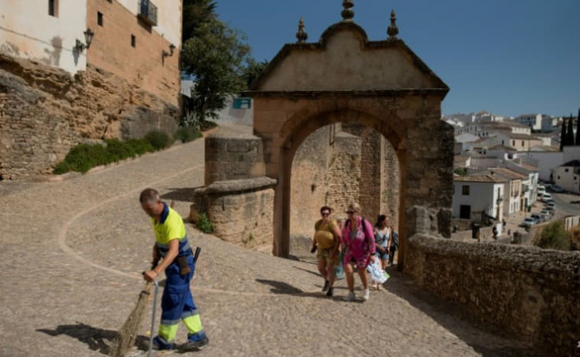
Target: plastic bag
(377, 272)
(339, 271)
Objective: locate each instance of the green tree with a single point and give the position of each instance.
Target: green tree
(570, 132)
(563, 135)
(253, 70)
(195, 13)
(578, 128)
(216, 56)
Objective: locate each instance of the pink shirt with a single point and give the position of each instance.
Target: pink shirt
(363, 244)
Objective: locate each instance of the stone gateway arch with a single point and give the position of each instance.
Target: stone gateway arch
(342, 78)
(345, 78)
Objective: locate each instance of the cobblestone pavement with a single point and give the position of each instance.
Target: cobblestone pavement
(70, 274)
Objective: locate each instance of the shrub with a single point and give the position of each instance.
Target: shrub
(117, 151)
(187, 134)
(575, 238)
(140, 146)
(83, 157)
(206, 125)
(554, 236)
(159, 140)
(460, 171)
(204, 224)
(61, 168)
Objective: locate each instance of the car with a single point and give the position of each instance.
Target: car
(545, 211)
(546, 197)
(545, 216)
(557, 188)
(536, 217)
(528, 222)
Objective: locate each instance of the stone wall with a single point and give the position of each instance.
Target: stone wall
(44, 111)
(240, 210)
(531, 293)
(391, 198)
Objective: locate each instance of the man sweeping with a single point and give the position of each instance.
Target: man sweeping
(172, 247)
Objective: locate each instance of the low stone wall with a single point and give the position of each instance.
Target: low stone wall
(485, 233)
(240, 210)
(532, 293)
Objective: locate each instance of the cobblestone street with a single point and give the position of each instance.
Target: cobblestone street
(70, 275)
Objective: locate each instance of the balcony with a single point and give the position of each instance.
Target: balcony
(147, 12)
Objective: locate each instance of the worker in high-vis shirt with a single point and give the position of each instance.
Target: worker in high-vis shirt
(174, 255)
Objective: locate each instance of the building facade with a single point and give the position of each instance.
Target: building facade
(567, 176)
(45, 31)
(475, 196)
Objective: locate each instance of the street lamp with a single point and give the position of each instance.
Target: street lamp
(170, 53)
(89, 34)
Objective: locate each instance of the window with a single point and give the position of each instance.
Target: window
(465, 190)
(513, 143)
(523, 143)
(558, 177)
(133, 40)
(100, 19)
(565, 170)
(53, 8)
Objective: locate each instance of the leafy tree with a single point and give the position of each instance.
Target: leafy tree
(563, 135)
(195, 13)
(253, 70)
(578, 128)
(216, 56)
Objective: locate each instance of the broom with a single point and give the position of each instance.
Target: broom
(128, 333)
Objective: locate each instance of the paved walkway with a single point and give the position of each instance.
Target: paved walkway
(71, 258)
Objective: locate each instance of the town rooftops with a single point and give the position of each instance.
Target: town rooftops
(479, 179)
(523, 137)
(507, 173)
(502, 147)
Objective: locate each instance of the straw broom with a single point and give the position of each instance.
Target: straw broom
(128, 333)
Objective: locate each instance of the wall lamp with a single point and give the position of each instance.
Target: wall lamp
(89, 34)
(170, 53)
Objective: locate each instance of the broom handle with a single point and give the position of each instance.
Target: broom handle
(150, 354)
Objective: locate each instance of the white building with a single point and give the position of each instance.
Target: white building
(549, 124)
(45, 31)
(549, 161)
(567, 176)
(520, 142)
(474, 196)
(534, 121)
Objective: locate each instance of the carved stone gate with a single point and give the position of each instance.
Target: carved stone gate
(345, 78)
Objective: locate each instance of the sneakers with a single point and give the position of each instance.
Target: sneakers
(194, 345)
(366, 295)
(349, 297)
(326, 284)
(330, 292)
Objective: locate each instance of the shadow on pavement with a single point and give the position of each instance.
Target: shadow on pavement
(287, 289)
(459, 321)
(180, 194)
(97, 339)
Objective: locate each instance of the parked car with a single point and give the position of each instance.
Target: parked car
(556, 188)
(551, 204)
(546, 197)
(545, 216)
(528, 222)
(536, 217)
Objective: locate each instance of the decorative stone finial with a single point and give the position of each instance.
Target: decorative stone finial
(347, 13)
(393, 30)
(301, 35)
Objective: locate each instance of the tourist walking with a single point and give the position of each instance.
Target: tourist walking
(382, 236)
(173, 254)
(327, 241)
(359, 241)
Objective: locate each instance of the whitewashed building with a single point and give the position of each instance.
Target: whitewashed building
(476, 196)
(567, 176)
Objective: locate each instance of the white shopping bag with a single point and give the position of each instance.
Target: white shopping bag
(377, 272)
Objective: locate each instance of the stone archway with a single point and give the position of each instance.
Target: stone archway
(345, 78)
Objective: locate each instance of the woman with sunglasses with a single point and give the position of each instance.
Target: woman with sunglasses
(359, 241)
(327, 241)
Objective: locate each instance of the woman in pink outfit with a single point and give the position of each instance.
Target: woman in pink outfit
(358, 242)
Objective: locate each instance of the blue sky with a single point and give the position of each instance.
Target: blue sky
(509, 57)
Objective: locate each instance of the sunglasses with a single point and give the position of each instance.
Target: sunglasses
(325, 214)
(349, 212)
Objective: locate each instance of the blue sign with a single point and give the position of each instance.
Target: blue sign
(242, 103)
